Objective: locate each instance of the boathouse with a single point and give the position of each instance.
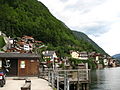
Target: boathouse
(22, 64)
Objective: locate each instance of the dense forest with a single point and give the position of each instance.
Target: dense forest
(84, 37)
(31, 17)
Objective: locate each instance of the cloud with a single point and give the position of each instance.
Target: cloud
(111, 39)
(83, 6)
(100, 19)
(96, 30)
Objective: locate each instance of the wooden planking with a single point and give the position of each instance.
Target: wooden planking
(31, 68)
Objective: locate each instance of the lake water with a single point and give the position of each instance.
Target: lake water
(105, 79)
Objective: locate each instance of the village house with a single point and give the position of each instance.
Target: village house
(28, 39)
(22, 64)
(49, 54)
(26, 44)
(74, 54)
(0, 33)
(112, 62)
(105, 60)
(24, 61)
(50, 57)
(98, 59)
(96, 56)
(81, 56)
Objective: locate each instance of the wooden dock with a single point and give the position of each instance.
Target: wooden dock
(78, 79)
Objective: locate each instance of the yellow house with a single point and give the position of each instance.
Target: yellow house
(75, 54)
(81, 56)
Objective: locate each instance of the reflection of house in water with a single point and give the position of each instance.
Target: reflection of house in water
(22, 64)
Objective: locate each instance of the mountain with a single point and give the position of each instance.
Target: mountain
(84, 37)
(117, 56)
(31, 17)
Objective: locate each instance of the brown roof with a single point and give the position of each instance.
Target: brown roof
(38, 41)
(27, 37)
(21, 43)
(19, 55)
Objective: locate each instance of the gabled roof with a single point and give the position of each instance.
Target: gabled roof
(19, 55)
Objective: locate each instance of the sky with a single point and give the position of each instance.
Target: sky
(99, 19)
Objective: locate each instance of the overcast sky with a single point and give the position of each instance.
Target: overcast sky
(99, 19)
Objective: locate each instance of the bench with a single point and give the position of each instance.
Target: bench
(27, 85)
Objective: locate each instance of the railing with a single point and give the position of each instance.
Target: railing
(67, 76)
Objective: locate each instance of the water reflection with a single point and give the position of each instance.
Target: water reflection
(105, 79)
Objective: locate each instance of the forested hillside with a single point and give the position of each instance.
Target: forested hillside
(84, 37)
(31, 17)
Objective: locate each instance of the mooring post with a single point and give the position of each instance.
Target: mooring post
(53, 79)
(78, 85)
(68, 84)
(65, 80)
(49, 76)
(57, 81)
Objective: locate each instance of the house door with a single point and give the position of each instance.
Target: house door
(23, 68)
(13, 70)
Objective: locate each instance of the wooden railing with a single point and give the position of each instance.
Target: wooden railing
(27, 85)
(67, 76)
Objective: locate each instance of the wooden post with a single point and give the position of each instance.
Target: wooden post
(65, 81)
(78, 85)
(68, 85)
(57, 81)
(53, 79)
(49, 77)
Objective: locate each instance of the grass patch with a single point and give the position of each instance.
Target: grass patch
(2, 42)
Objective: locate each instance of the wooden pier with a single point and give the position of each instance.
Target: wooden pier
(69, 79)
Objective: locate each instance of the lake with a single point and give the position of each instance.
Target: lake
(105, 79)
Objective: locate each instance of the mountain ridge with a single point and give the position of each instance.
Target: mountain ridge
(31, 17)
(117, 56)
(81, 35)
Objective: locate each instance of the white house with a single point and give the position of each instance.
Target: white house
(0, 33)
(83, 55)
(26, 47)
(49, 54)
(105, 62)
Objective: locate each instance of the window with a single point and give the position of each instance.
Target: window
(22, 64)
